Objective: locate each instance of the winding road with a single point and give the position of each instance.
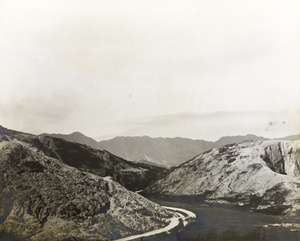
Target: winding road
(182, 214)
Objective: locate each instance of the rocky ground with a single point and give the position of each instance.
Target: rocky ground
(263, 175)
(41, 198)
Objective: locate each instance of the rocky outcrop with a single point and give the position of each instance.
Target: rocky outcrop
(41, 198)
(263, 175)
(283, 157)
(274, 159)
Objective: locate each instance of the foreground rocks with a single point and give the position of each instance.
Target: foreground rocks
(41, 198)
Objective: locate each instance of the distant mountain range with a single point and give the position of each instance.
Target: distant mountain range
(290, 138)
(165, 152)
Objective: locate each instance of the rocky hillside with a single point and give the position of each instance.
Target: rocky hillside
(42, 198)
(263, 175)
(131, 175)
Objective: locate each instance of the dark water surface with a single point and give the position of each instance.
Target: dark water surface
(230, 223)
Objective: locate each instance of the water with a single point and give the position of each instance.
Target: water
(230, 223)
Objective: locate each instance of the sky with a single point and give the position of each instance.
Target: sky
(191, 68)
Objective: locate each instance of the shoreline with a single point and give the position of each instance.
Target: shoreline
(174, 223)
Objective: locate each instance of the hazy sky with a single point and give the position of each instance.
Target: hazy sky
(200, 69)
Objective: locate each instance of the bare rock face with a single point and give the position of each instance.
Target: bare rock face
(263, 175)
(283, 157)
(41, 198)
(274, 159)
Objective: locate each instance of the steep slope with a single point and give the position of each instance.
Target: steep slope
(75, 137)
(131, 175)
(134, 176)
(262, 175)
(41, 198)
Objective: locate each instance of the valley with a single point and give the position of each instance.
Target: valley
(183, 217)
(55, 189)
(149, 120)
(227, 222)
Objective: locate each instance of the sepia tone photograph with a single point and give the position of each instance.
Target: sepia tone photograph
(149, 120)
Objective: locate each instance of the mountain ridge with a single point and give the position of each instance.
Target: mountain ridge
(76, 136)
(160, 151)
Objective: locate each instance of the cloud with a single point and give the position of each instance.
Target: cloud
(170, 56)
(35, 113)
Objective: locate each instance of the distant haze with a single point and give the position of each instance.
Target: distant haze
(195, 69)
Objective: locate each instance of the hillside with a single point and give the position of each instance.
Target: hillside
(161, 151)
(290, 138)
(263, 175)
(75, 137)
(225, 140)
(133, 176)
(42, 198)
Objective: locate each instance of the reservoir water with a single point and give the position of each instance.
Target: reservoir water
(229, 223)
